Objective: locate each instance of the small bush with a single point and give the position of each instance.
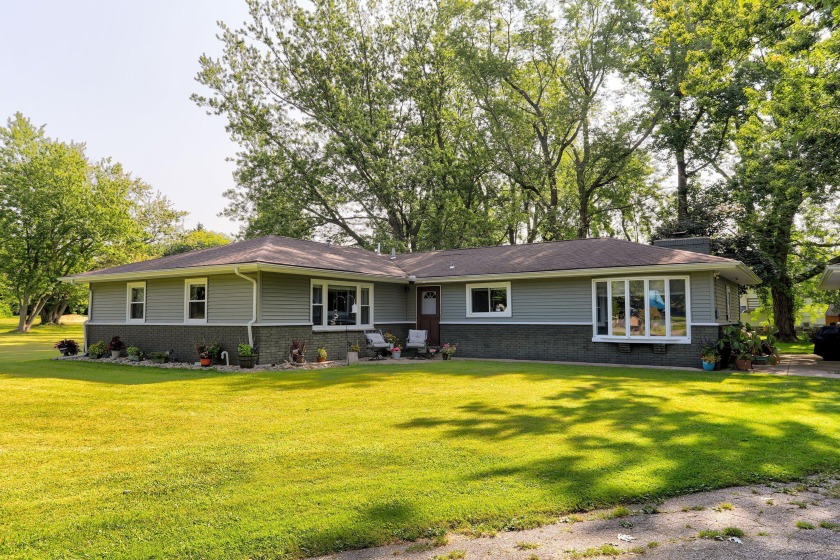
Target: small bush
(804, 525)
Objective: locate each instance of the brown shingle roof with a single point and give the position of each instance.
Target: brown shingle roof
(505, 259)
(593, 253)
(277, 250)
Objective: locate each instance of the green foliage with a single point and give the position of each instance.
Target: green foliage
(195, 239)
(98, 348)
(245, 350)
(133, 351)
(805, 525)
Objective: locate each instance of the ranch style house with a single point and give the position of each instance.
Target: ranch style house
(599, 300)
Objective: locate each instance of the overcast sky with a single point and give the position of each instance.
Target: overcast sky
(118, 75)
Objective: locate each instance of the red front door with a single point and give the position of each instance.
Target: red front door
(428, 312)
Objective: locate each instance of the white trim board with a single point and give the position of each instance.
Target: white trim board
(555, 323)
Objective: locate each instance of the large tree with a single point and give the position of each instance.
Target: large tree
(788, 156)
(60, 215)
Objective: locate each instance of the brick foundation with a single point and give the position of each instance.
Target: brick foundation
(569, 343)
(272, 343)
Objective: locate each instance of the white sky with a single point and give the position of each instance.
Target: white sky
(118, 75)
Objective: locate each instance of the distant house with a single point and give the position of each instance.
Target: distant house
(590, 300)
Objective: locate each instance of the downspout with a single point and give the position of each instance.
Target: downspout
(254, 310)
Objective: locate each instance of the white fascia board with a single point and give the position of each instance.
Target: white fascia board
(830, 279)
(735, 271)
(229, 269)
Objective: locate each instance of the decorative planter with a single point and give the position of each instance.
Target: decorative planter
(298, 359)
(743, 365)
(396, 354)
(205, 362)
(321, 360)
(709, 366)
(352, 357)
(132, 358)
(115, 354)
(446, 356)
(246, 362)
(159, 360)
(64, 351)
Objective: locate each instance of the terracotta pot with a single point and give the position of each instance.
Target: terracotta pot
(321, 360)
(205, 362)
(743, 365)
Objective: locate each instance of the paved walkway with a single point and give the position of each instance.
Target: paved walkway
(805, 365)
(795, 521)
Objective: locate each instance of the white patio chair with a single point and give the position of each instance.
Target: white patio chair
(416, 341)
(377, 343)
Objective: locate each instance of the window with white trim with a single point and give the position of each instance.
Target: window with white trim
(488, 300)
(648, 309)
(195, 300)
(136, 302)
(339, 305)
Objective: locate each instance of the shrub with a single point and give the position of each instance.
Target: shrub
(245, 350)
(322, 353)
(98, 348)
(116, 345)
(71, 347)
(133, 351)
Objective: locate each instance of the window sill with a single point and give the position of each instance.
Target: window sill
(341, 328)
(488, 315)
(642, 340)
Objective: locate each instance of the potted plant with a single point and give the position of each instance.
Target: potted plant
(133, 353)
(447, 350)
(116, 347)
(203, 354)
(246, 356)
(353, 354)
(743, 360)
(297, 351)
(390, 338)
(97, 349)
(215, 351)
(709, 357)
(158, 357)
(322, 355)
(67, 347)
(396, 352)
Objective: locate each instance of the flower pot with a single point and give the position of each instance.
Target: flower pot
(396, 354)
(445, 356)
(115, 354)
(708, 366)
(298, 359)
(205, 362)
(94, 356)
(159, 360)
(321, 360)
(352, 357)
(64, 351)
(246, 362)
(132, 358)
(743, 365)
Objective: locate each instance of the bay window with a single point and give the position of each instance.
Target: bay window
(641, 309)
(339, 305)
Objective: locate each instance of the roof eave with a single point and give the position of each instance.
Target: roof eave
(733, 270)
(229, 268)
(830, 279)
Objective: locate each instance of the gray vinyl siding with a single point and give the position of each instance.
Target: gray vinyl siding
(284, 298)
(541, 301)
(390, 303)
(229, 299)
(702, 304)
(108, 302)
(411, 303)
(720, 301)
(165, 300)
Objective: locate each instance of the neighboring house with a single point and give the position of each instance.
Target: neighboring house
(590, 300)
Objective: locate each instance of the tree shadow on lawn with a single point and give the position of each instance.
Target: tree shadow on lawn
(598, 451)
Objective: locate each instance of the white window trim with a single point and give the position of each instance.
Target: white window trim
(647, 338)
(325, 284)
(193, 282)
(129, 287)
(506, 313)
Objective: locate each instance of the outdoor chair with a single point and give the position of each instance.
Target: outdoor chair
(416, 341)
(377, 343)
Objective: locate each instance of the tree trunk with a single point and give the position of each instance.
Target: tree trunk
(682, 187)
(52, 312)
(783, 312)
(24, 309)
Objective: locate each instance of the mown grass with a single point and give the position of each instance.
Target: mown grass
(801, 346)
(105, 461)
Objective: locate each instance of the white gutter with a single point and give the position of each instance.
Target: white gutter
(254, 310)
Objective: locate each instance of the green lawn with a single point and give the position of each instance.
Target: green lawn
(801, 346)
(106, 461)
